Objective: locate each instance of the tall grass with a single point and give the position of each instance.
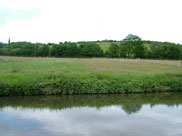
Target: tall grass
(38, 76)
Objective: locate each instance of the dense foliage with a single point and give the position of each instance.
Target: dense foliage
(93, 85)
(130, 47)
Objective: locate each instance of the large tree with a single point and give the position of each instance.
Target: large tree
(123, 50)
(113, 51)
(132, 37)
(91, 50)
(134, 47)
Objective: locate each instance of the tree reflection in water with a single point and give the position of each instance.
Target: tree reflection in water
(130, 103)
(133, 108)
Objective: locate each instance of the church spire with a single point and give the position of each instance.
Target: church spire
(9, 41)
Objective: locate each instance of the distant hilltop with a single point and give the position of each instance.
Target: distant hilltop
(131, 46)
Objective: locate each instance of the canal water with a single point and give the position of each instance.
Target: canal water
(92, 115)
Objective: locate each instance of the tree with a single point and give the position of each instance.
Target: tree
(21, 49)
(28, 49)
(131, 38)
(139, 51)
(54, 51)
(43, 50)
(59, 50)
(91, 50)
(168, 52)
(16, 52)
(1, 48)
(180, 48)
(174, 52)
(1, 45)
(65, 50)
(113, 51)
(72, 50)
(133, 46)
(123, 50)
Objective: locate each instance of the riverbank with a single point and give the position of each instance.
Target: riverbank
(50, 76)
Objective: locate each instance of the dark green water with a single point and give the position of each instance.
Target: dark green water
(92, 115)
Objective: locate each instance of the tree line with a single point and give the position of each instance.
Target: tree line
(28, 49)
(130, 47)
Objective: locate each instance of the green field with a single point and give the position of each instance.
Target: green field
(34, 76)
(105, 45)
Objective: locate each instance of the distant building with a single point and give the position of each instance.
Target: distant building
(9, 41)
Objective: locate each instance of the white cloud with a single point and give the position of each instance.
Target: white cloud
(70, 20)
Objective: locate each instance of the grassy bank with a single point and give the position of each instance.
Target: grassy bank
(34, 76)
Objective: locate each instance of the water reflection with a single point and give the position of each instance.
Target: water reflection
(132, 108)
(126, 115)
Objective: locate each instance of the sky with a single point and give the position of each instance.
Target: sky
(89, 20)
(160, 120)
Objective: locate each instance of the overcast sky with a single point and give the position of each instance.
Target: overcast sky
(87, 20)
